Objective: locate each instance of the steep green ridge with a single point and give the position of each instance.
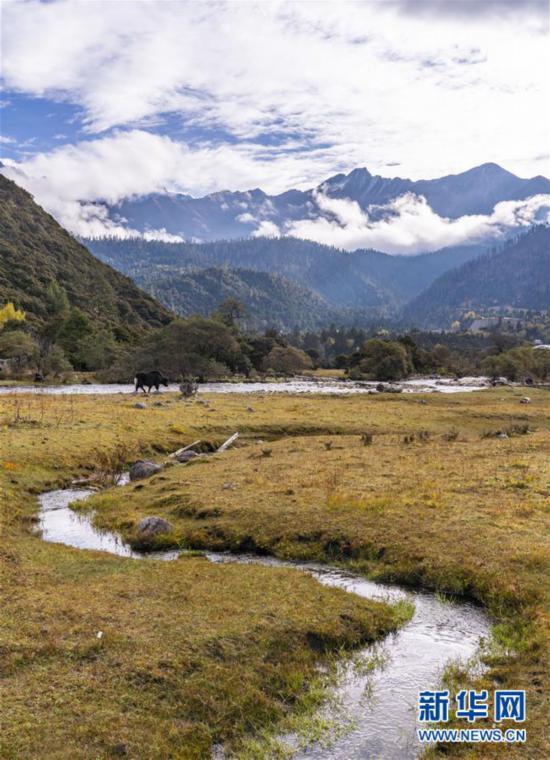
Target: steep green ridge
(35, 249)
(517, 276)
(271, 301)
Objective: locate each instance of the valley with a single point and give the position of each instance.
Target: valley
(274, 380)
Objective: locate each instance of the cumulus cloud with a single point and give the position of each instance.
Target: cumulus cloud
(277, 95)
(409, 225)
(348, 80)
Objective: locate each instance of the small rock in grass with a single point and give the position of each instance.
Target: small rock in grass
(152, 526)
(143, 469)
(525, 400)
(140, 405)
(186, 456)
(502, 435)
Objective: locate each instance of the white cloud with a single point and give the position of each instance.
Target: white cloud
(410, 226)
(246, 218)
(437, 92)
(66, 180)
(280, 94)
(267, 229)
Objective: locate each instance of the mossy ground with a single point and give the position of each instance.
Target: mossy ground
(189, 653)
(435, 500)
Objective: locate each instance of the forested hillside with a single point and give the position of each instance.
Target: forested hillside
(269, 301)
(36, 251)
(364, 280)
(516, 276)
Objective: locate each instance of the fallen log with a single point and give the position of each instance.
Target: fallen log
(230, 441)
(175, 454)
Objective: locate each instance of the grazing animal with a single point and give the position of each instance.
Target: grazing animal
(148, 380)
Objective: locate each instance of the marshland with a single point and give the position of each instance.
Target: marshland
(103, 656)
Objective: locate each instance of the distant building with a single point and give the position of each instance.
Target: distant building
(488, 323)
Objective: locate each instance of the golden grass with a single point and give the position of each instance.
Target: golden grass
(452, 508)
(190, 653)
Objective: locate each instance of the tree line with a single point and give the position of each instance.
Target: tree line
(215, 347)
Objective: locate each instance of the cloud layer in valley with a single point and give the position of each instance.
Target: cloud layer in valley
(410, 226)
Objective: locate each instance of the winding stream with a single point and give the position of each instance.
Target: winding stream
(382, 726)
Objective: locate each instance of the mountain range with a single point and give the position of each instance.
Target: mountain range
(284, 282)
(230, 215)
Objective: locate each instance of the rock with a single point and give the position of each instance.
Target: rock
(381, 388)
(143, 469)
(502, 435)
(186, 456)
(249, 409)
(152, 526)
(525, 400)
(140, 405)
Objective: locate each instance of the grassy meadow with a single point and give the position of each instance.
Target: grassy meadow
(421, 490)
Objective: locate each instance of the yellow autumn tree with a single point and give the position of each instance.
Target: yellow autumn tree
(9, 313)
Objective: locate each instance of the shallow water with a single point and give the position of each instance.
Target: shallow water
(330, 387)
(384, 725)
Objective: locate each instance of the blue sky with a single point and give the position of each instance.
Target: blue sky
(107, 99)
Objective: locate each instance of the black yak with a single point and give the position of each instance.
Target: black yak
(148, 380)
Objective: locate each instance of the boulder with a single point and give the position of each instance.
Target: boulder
(152, 526)
(143, 469)
(186, 456)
